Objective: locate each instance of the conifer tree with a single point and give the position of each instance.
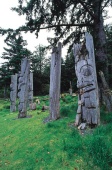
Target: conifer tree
(15, 51)
(40, 66)
(5, 74)
(69, 19)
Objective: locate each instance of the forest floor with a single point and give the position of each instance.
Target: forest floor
(31, 144)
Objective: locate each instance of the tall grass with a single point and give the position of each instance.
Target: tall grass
(99, 150)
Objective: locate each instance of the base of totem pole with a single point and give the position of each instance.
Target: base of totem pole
(84, 125)
(24, 115)
(48, 119)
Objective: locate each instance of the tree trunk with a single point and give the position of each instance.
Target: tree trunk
(106, 93)
(13, 93)
(101, 52)
(100, 39)
(23, 88)
(88, 102)
(55, 74)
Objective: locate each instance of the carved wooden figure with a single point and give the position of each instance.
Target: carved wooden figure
(88, 100)
(13, 93)
(23, 88)
(55, 75)
(30, 98)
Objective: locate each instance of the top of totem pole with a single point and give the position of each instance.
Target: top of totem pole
(84, 48)
(57, 49)
(89, 43)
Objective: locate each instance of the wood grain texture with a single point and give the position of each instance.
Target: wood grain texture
(87, 81)
(30, 96)
(13, 93)
(55, 75)
(23, 88)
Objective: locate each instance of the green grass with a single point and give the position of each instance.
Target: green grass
(30, 144)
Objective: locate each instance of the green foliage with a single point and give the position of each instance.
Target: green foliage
(68, 20)
(68, 106)
(12, 56)
(109, 51)
(65, 111)
(106, 117)
(41, 71)
(68, 73)
(15, 52)
(5, 75)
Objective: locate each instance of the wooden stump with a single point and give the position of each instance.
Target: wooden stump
(55, 74)
(13, 93)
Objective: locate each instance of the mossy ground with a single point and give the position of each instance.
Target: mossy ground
(30, 144)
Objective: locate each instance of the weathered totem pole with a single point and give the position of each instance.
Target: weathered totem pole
(13, 93)
(32, 106)
(88, 100)
(55, 75)
(30, 97)
(23, 88)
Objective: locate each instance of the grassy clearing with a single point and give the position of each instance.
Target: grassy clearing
(29, 144)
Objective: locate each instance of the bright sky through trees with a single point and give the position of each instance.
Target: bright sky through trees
(10, 19)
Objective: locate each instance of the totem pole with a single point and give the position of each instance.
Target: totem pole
(55, 75)
(30, 97)
(13, 93)
(23, 88)
(88, 101)
(32, 106)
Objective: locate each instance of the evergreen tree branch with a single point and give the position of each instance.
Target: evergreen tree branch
(106, 3)
(25, 28)
(64, 25)
(86, 8)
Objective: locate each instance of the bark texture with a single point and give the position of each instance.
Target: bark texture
(55, 74)
(13, 93)
(100, 40)
(23, 88)
(106, 93)
(88, 99)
